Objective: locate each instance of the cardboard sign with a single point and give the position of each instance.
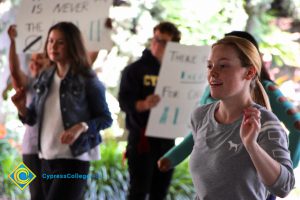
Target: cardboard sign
(181, 83)
(35, 17)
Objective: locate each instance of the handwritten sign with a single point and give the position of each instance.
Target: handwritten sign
(181, 83)
(35, 17)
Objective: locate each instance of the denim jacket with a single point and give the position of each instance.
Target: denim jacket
(82, 99)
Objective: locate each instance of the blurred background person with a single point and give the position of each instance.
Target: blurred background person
(136, 98)
(19, 79)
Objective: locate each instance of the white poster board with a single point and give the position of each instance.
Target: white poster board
(35, 17)
(181, 83)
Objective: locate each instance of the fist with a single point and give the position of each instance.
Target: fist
(12, 32)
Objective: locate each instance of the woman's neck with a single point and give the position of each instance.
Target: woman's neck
(229, 111)
(62, 69)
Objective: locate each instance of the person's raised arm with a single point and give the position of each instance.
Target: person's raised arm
(19, 78)
(177, 154)
(274, 169)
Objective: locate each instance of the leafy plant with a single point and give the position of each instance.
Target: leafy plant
(10, 151)
(9, 158)
(109, 177)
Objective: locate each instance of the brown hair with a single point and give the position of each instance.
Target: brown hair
(169, 28)
(249, 56)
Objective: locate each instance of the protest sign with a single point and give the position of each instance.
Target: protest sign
(35, 17)
(181, 83)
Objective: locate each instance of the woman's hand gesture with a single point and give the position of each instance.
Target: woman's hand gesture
(19, 99)
(250, 126)
(70, 135)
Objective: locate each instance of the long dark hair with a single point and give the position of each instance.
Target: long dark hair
(79, 60)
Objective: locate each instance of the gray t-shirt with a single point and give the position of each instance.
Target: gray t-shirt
(221, 167)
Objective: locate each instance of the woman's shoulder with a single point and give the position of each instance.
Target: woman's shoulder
(271, 127)
(48, 70)
(203, 109)
(268, 117)
(92, 81)
(201, 114)
(265, 113)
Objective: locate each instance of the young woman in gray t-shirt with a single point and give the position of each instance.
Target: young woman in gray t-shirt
(240, 149)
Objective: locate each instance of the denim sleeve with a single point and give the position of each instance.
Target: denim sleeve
(31, 116)
(100, 114)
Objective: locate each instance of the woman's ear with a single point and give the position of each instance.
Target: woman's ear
(251, 73)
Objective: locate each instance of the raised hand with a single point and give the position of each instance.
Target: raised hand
(12, 32)
(250, 126)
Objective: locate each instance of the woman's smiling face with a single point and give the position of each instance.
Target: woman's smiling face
(226, 76)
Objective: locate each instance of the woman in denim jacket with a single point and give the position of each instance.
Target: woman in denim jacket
(70, 109)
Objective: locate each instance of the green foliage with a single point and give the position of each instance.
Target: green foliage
(262, 23)
(10, 152)
(10, 157)
(203, 22)
(109, 177)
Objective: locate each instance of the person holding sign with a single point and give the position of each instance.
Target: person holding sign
(20, 79)
(70, 109)
(238, 142)
(136, 99)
